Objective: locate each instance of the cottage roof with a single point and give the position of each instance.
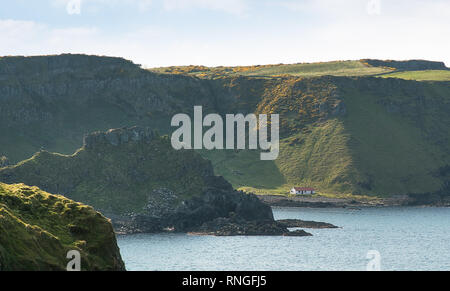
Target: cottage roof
(304, 189)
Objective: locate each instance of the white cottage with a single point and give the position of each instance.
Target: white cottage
(303, 191)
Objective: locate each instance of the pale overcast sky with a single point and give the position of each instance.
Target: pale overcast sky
(228, 32)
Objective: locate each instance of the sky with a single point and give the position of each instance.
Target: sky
(157, 33)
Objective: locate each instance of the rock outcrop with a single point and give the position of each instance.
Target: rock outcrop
(136, 178)
(299, 232)
(235, 227)
(116, 137)
(305, 224)
(38, 229)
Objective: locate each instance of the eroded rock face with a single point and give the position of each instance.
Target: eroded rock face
(221, 201)
(137, 179)
(116, 137)
(160, 203)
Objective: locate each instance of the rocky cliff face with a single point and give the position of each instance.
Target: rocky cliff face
(38, 229)
(50, 102)
(117, 137)
(135, 177)
(338, 134)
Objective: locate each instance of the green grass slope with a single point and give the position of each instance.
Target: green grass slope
(37, 229)
(338, 68)
(356, 136)
(340, 134)
(335, 68)
(425, 75)
(395, 153)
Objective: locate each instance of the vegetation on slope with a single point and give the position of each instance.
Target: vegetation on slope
(426, 75)
(115, 178)
(337, 68)
(135, 177)
(377, 136)
(37, 229)
(50, 102)
(366, 67)
(341, 135)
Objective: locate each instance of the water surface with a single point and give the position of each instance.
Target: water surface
(412, 238)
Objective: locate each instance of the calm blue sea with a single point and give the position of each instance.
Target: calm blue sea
(412, 238)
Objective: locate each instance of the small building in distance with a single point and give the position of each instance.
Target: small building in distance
(303, 191)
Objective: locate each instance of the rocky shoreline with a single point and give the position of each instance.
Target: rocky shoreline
(305, 224)
(236, 226)
(232, 227)
(325, 202)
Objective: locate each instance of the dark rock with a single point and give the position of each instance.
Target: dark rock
(218, 203)
(135, 224)
(292, 203)
(116, 137)
(160, 203)
(305, 224)
(235, 226)
(108, 176)
(299, 232)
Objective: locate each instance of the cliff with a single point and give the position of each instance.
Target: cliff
(350, 133)
(37, 229)
(134, 177)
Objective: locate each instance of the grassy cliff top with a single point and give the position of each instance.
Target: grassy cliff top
(365, 67)
(425, 75)
(37, 229)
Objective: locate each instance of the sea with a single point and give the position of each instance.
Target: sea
(385, 238)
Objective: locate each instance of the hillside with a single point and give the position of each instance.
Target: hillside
(133, 176)
(338, 68)
(350, 133)
(360, 136)
(37, 229)
(366, 67)
(424, 75)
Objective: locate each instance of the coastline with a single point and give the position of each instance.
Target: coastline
(317, 201)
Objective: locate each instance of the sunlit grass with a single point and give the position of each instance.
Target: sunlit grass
(427, 75)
